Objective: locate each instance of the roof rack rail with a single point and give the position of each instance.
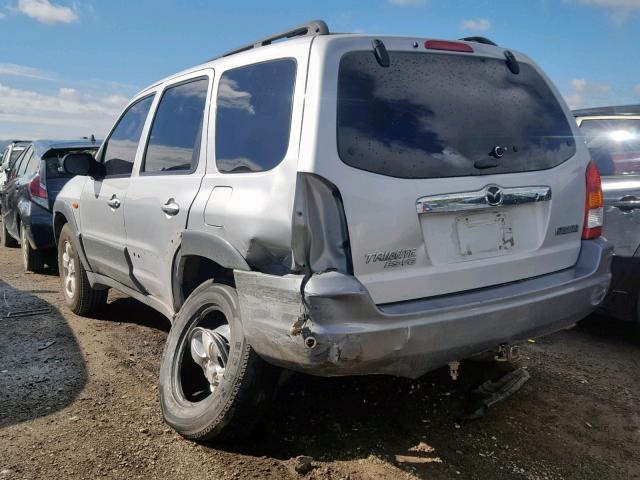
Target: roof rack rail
(314, 27)
(483, 40)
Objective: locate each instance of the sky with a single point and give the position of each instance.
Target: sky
(67, 67)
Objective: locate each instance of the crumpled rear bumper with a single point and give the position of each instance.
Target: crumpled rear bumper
(349, 335)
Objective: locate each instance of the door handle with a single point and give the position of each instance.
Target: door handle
(627, 203)
(114, 202)
(171, 207)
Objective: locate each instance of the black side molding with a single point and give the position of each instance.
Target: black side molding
(213, 247)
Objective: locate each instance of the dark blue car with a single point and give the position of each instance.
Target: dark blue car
(32, 185)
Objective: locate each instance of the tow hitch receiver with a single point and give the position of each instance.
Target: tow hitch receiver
(507, 353)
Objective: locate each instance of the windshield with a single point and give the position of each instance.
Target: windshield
(440, 115)
(614, 144)
(53, 160)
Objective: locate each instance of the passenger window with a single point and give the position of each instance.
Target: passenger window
(174, 141)
(120, 149)
(26, 158)
(614, 145)
(253, 116)
(32, 165)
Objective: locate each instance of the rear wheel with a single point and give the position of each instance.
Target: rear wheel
(5, 239)
(80, 297)
(32, 259)
(212, 383)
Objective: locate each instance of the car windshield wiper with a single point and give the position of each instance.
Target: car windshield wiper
(485, 163)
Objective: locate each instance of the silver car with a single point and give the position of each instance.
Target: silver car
(335, 204)
(613, 137)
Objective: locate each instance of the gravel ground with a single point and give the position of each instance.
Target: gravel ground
(78, 399)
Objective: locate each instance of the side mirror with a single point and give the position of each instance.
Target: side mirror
(83, 164)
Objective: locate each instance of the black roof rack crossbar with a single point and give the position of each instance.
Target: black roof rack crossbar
(314, 27)
(484, 40)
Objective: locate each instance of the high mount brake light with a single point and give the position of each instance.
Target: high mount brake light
(593, 206)
(448, 45)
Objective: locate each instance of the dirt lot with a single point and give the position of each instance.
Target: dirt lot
(86, 406)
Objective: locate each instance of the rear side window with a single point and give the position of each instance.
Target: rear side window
(53, 160)
(120, 149)
(174, 141)
(24, 161)
(253, 118)
(33, 164)
(15, 153)
(440, 115)
(614, 144)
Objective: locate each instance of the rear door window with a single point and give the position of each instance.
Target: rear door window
(15, 153)
(174, 141)
(253, 116)
(614, 144)
(24, 161)
(121, 147)
(442, 115)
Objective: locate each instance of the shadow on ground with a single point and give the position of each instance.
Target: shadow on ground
(41, 367)
(611, 329)
(129, 311)
(409, 423)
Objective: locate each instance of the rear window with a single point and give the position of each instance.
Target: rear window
(440, 115)
(614, 144)
(53, 160)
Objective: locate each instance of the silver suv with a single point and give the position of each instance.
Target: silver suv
(335, 204)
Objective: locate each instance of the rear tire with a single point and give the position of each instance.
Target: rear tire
(32, 259)
(228, 403)
(7, 240)
(80, 297)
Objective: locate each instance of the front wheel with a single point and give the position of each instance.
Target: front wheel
(32, 259)
(212, 383)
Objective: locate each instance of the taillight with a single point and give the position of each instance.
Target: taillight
(448, 45)
(320, 237)
(37, 188)
(593, 209)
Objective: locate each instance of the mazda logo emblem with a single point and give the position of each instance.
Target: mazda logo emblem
(494, 196)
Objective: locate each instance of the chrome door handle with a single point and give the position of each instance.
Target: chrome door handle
(114, 202)
(171, 207)
(627, 203)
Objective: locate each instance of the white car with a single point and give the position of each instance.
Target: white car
(335, 204)
(9, 156)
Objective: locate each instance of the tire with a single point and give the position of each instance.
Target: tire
(32, 259)
(240, 395)
(6, 239)
(78, 294)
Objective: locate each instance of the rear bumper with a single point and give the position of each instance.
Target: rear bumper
(39, 227)
(349, 335)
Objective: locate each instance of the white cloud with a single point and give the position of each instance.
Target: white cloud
(15, 70)
(620, 10)
(2, 15)
(637, 89)
(408, 3)
(67, 113)
(46, 12)
(476, 24)
(586, 93)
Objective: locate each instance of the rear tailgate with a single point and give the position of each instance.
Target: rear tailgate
(432, 207)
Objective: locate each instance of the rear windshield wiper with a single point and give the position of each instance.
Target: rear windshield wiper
(485, 163)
